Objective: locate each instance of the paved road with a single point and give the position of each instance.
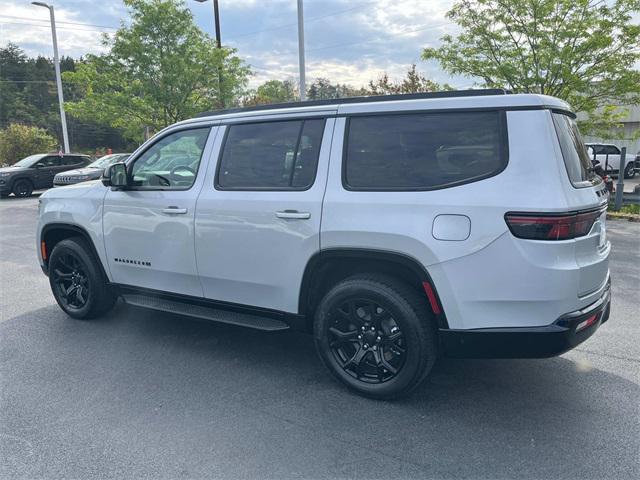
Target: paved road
(140, 394)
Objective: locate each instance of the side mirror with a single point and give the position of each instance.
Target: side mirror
(115, 175)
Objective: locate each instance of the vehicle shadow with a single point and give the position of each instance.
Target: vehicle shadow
(480, 418)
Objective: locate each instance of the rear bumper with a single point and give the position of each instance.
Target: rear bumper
(536, 342)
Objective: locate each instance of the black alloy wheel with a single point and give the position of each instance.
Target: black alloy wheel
(630, 171)
(376, 335)
(22, 188)
(366, 341)
(71, 281)
(77, 280)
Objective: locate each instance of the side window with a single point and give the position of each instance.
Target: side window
(423, 151)
(270, 156)
(71, 160)
(172, 162)
(50, 161)
(611, 150)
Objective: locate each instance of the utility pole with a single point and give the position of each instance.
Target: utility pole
(56, 64)
(216, 21)
(303, 86)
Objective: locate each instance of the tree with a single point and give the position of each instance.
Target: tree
(160, 69)
(19, 141)
(413, 82)
(322, 89)
(273, 91)
(582, 51)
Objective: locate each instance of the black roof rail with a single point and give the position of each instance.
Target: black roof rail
(371, 98)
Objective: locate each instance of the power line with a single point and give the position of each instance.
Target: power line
(74, 29)
(59, 22)
(308, 20)
(424, 27)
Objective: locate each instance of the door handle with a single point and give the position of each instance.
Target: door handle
(293, 214)
(174, 210)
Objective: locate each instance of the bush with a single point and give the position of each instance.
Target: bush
(19, 141)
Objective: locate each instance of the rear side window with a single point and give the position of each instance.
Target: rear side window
(270, 155)
(575, 155)
(423, 151)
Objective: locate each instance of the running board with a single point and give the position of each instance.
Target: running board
(206, 313)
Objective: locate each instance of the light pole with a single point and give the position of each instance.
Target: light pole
(56, 64)
(216, 21)
(303, 87)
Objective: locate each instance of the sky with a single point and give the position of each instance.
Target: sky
(347, 41)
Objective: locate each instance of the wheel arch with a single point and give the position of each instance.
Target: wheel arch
(21, 177)
(53, 233)
(329, 266)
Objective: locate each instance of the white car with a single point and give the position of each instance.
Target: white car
(609, 158)
(395, 229)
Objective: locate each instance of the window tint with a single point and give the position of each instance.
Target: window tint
(172, 162)
(273, 155)
(50, 161)
(423, 151)
(575, 155)
(610, 150)
(71, 160)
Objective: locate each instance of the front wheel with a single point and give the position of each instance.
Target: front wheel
(77, 281)
(630, 171)
(23, 188)
(376, 335)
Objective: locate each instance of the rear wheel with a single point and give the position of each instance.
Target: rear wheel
(376, 335)
(630, 171)
(77, 281)
(22, 188)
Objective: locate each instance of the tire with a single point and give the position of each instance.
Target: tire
(77, 280)
(22, 188)
(4, 195)
(629, 170)
(404, 336)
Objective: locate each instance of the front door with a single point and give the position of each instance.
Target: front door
(46, 169)
(149, 226)
(258, 215)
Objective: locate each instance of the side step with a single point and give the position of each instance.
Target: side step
(206, 313)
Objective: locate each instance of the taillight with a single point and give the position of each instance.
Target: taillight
(543, 226)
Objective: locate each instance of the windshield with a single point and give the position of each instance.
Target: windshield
(107, 160)
(29, 161)
(574, 152)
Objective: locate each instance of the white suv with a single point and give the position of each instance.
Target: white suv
(396, 229)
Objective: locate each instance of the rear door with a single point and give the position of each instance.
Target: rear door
(258, 215)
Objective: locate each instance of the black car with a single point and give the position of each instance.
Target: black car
(36, 172)
(92, 171)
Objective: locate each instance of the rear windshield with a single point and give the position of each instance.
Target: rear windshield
(423, 151)
(575, 155)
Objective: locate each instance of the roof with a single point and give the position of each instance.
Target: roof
(457, 99)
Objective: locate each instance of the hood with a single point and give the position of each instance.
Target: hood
(74, 190)
(14, 169)
(78, 172)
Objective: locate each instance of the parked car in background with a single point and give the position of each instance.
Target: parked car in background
(93, 171)
(37, 171)
(609, 157)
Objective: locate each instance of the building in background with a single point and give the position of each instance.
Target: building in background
(629, 131)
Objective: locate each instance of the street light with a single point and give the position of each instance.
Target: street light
(301, 66)
(56, 64)
(216, 21)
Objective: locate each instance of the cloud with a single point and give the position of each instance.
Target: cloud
(346, 41)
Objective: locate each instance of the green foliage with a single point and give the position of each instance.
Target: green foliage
(582, 51)
(413, 82)
(28, 96)
(19, 141)
(160, 69)
(273, 91)
(322, 89)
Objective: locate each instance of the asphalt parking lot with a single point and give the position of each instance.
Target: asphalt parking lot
(144, 394)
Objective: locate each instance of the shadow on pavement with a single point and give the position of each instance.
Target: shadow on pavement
(139, 384)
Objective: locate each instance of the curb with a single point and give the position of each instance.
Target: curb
(623, 216)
